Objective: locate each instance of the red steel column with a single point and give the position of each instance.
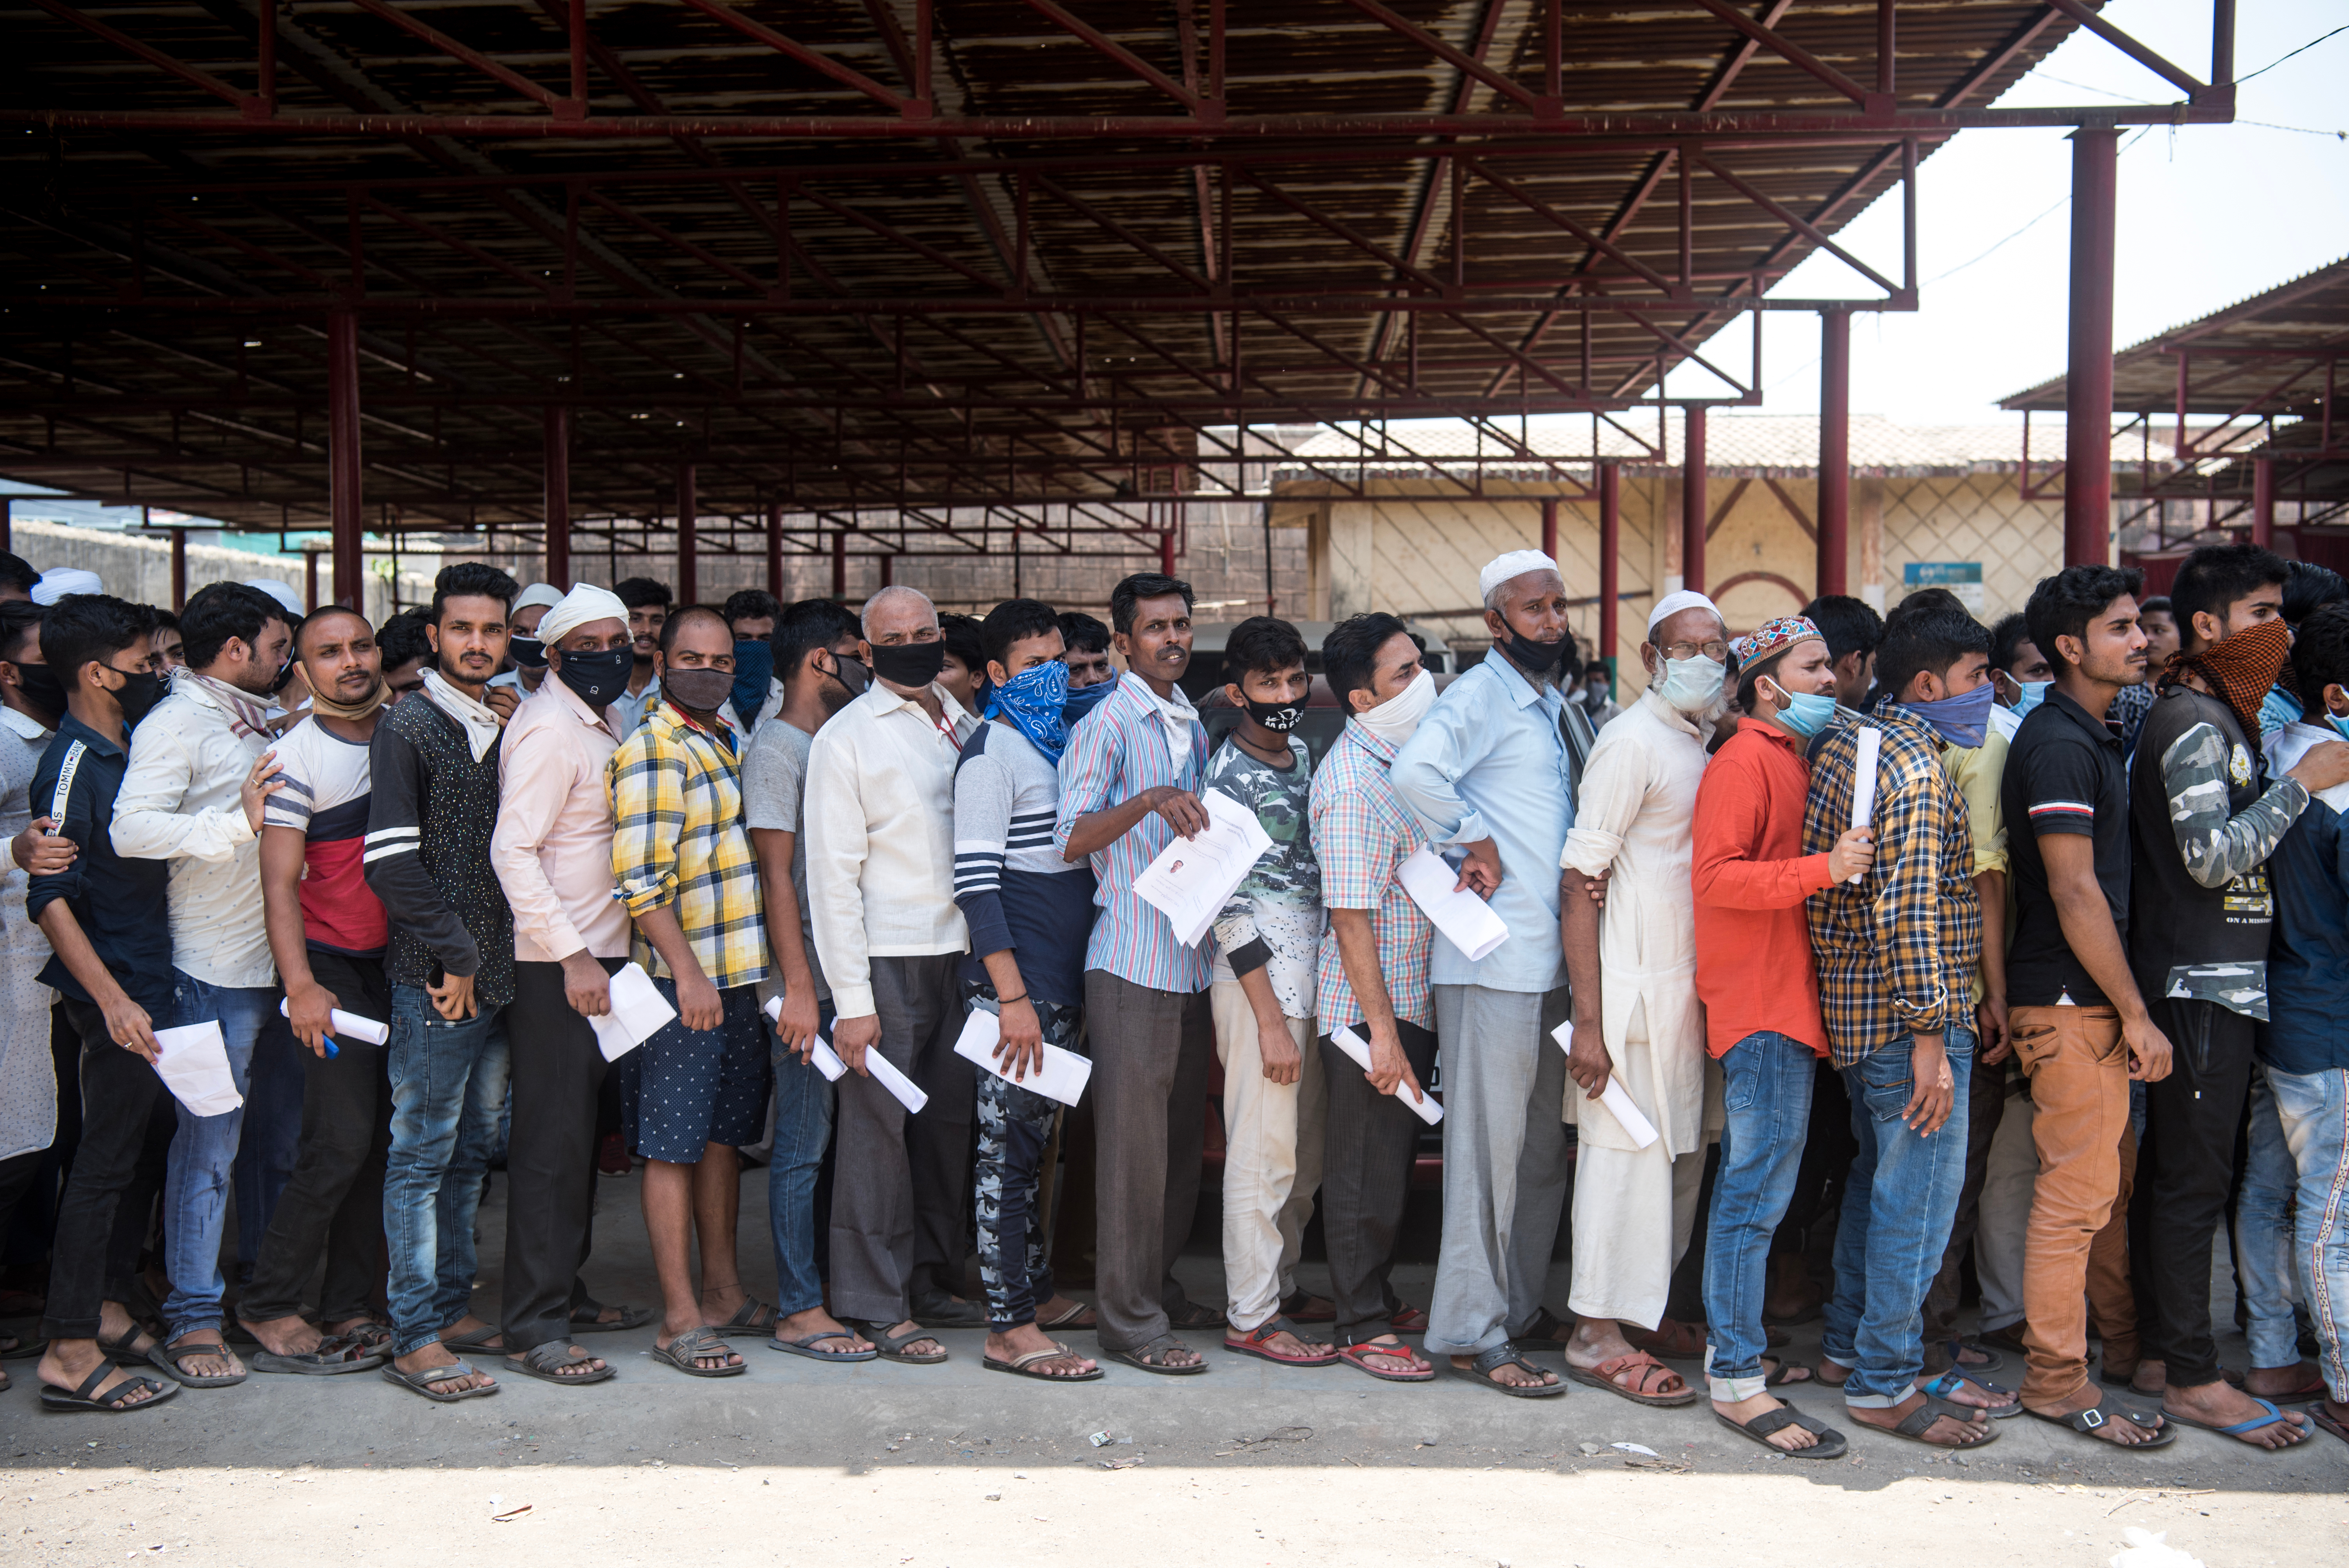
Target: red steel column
(686, 588)
(1611, 557)
(1166, 553)
(1549, 526)
(1692, 500)
(2088, 379)
(1835, 452)
(2262, 501)
(888, 564)
(342, 457)
(558, 496)
(775, 549)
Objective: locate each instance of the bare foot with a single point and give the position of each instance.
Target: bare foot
(67, 1364)
(1786, 1438)
(815, 1320)
(2221, 1404)
(1401, 1358)
(214, 1358)
(1027, 1338)
(1946, 1432)
(438, 1354)
(284, 1335)
(2116, 1427)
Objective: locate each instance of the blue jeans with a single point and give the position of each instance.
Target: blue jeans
(2263, 1239)
(1897, 1204)
(448, 1094)
(1768, 1101)
(2312, 1110)
(803, 1129)
(203, 1151)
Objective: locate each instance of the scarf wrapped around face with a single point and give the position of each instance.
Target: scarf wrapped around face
(248, 714)
(2240, 669)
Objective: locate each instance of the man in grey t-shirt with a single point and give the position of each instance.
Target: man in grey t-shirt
(815, 662)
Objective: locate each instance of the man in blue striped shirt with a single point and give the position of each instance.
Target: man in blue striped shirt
(1129, 783)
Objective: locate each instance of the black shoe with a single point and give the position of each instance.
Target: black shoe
(939, 1310)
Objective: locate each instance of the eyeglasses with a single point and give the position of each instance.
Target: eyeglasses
(1716, 650)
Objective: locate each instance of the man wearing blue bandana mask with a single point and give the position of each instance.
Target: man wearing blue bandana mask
(1029, 914)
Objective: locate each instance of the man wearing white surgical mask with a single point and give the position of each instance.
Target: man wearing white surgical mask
(1636, 1021)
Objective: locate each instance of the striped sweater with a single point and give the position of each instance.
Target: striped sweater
(1010, 882)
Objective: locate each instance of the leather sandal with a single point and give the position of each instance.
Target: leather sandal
(1257, 1342)
(1648, 1371)
(1487, 1362)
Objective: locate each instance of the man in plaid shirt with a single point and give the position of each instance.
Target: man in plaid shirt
(1895, 955)
(1372, 978)
(682, 861)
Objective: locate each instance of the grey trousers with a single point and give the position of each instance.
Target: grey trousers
(1151, 1051)
(900, 1182)
(1505, 1162)
(1370, 1141)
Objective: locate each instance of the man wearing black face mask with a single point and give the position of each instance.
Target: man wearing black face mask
(104, 917)
(524, 644)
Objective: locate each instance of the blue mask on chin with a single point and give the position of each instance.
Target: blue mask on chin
(1960, 720)
(1810, 713)
(2033, 694)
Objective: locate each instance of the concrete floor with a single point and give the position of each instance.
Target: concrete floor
(951, 1464)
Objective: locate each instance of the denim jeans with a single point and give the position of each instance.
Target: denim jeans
(1896, 1208)
(447, 1094)
(803, 1130)
(1767, 1080)
(2263, 1234)
(196, 1194)
(2312, 1110)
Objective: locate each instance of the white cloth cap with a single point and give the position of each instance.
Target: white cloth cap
(545, 593)
(280, 591)
(576, 609)
(1681, 599)
(1515, 564)
(59, 581)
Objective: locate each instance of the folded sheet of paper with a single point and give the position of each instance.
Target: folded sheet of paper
(638, 1011)
(1354, 1045)
(1062, 1077)
(192, 1061)
(1192, 879)
(1619, 1104)
(1466, 920)
(826, 1060)
(1863, 781)
(349, 1026)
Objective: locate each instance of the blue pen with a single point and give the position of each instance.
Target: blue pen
(332, 1048)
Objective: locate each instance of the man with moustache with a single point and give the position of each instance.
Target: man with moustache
(648, 606)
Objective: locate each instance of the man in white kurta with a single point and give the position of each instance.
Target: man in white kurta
(1636, 1015)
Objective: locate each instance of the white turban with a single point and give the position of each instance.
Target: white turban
(60, 581)
(280, 591)
(1681, 599)
(576, 609)
(1515, 564)
(545, 593)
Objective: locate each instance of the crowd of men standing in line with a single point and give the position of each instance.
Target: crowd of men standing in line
(1836, 905)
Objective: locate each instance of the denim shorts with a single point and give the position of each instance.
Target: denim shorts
(698, 1087)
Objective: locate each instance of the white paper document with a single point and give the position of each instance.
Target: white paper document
(1192, 879)
(347, 1025)
(1863, 782)
(638, 1011)
(827, 1061)
(1354, 1045)
(1063, 1076)
(192, 1061)
(1466, 920)
(1619, 1104)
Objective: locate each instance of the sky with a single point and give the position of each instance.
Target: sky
(2207, 215)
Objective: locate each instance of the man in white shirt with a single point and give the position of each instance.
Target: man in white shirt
(194, 790)
(524, 644)
(1636, 1017)
(879, 817)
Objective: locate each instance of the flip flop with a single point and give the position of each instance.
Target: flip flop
(1958, 1344)
(1408, 1319)
(1303, 1311)
(892, 1346)
(1783, 1375)
(1021, 1365)
(1139, 1358)
(86, 1397)
(2089, 1422)
(168, 1359)
(1256, 1341)
(421, 1382)
(334, 1356)
(1939, 1388)
(541, 1361)
(630, 1317)
(1603, 1376)
(478, 1339)
(1068, 1319)
(1505, 1353)
(2316, 1413)
(1919, 1421)
(753, 1316)
(682, 1352)
(1830, 1445)
(2270, 1416)
(806, 1345)
(1353, 1355)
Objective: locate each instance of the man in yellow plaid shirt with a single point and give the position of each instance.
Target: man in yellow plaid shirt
(682, 861)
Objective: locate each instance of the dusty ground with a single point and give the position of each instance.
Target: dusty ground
(953, 1467)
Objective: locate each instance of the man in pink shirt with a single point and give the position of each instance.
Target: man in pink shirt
(552, 854)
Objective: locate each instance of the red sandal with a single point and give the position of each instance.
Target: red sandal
(1409, 1319)
(1646, 1373)
(1254, 1341)
(1352, 1355)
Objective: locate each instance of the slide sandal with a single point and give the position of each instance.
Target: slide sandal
(1139, 1358)
(1021, 1365)
(422, 1382)
(753, 1316)
(543, 1361)
(892, 1346)
(1505, 1353)
(85, 1398)
(168, 1359)
(334, 1356)
(806, 1345)
(682, 1352)
(2089, 1422)
(1352, 1355)
(1940, 1389)
(1830, 1445)
(2270, 1416)
(478, 1339)
(1603, 1376)
(1919, 1421)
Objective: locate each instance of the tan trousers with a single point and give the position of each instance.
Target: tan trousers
(1272, 1159)
(2078, 1072)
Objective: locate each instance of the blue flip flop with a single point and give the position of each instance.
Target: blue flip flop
(2271, 1416)
(1938, 1390)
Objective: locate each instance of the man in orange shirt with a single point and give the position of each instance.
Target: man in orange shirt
(1754, 974)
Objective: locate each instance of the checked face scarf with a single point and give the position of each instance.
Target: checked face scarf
(2241, 669)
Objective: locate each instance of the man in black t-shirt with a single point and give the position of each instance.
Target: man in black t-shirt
(2080, 1027)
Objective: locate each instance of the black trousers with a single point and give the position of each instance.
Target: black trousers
(2185, 1167)
(558, 1088)
(1827, 1152)
(1366, 1160)
(96, 1256)
(332, 1205)
(1985, 1108)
